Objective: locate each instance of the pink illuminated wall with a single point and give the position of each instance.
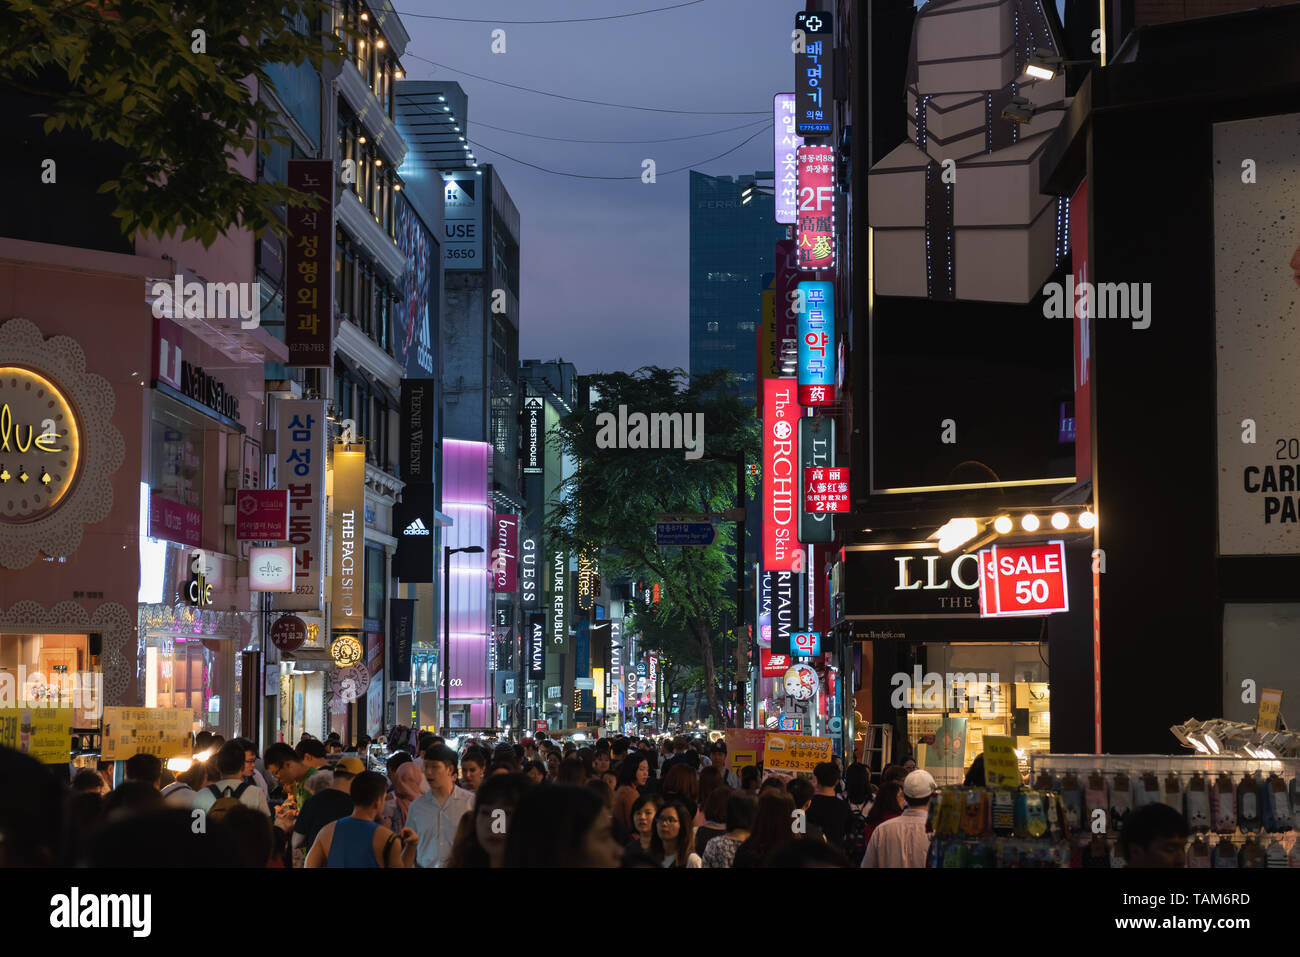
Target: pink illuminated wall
(465, 499)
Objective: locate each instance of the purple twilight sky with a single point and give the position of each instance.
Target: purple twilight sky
(605, 280)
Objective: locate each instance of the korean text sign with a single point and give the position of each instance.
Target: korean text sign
(43, 733)
(806, 644)
(826, 490)
(261, 514)
(744, 746)
(786, 752)
(309, 267)
(1023, 580)
(785, 156)
(814, 74)
(815, 222)
(781, 550)
(162, 732)
(817, 344)
(300, 470)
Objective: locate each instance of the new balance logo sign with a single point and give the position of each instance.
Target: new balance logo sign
(417, 528)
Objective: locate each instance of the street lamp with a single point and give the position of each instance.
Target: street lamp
(447, 552)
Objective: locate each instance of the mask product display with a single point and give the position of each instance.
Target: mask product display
(1146, 790)
(1251, 854)
(949, 815)
(1094, 798)
(1197, 802)
(1035, 814)
(972, 817)
(1072, 800)
(1173, 793)
(1248, 805)
(1121, 802)
(1283, 809)
(1267, 811)
(1223, 854)
(1198, 855)
(1276, 854)
(1223, 805)
(1004, 819)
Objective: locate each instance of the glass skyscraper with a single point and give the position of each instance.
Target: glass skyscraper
(732, 247)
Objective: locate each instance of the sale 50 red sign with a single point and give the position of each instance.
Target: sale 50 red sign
(1023, 580)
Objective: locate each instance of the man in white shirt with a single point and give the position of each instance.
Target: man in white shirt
(435, 816)
(230, 762)
(902, 841)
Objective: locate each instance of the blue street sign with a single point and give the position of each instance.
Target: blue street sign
(684, 533)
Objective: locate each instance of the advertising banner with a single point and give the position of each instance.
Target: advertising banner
(781, 550)
(773, 666)
(505, 553)
(309, 267)
(415, 314)
(348, 565)
(784, 156)
(401, 637)
(826, 491)
(765, 610)
(173, 522)
(616, 651)
(557, 569)
(415, 527)
(787, 589)
(806, 644)
(535, 638)
(744, 747)
(814, 74)
(463, 220)
(418, 433)
(816, 368)
(816, 451)
(529, 563)
(1257, 332)
(1023, 580)
(784, 752)
(262, 515)
(43, 733)
(162, 732)
(533, 434)
(815, 223)
(271, 569)
(300, 470)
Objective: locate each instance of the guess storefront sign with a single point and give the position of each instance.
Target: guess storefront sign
(1023, 580)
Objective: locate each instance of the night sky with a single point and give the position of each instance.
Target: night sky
(605, 282)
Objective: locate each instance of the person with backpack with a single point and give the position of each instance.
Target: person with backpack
(825, 809)
(231, 790)
(857, 791)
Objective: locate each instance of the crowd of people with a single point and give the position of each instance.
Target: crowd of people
(614, 802)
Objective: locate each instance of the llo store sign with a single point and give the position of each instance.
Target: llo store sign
(1023, 580)
(817, 344)
(40, 445)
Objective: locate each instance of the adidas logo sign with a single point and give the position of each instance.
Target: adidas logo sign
(417, 528)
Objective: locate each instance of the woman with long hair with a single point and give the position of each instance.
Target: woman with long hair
(721, 851)
(673, 842)
(481, 837)
(633, 774)
(683, 785)
(772, 826)
(710, 779)
(561, 826)
(572, 772)
(644, 811)
(715, 816)
(888, 804)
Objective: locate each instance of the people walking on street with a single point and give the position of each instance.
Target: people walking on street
(773, 825)
(857, 793)
(329, 804)
(721, 851)
(633, 774)
(903, 841)
(359, 840)
(714, 810)
(561, 826)
(231, 784)
(673, 841)
(826, 810)
(889, 804)
(644, 809)
(435, 815)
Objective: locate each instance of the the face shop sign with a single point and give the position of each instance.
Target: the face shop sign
(912, 582)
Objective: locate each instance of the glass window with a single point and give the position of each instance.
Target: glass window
(176, 452)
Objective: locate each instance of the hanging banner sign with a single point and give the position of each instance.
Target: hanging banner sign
(806, 644)
(505, 553)
(816, 369)
(271, 569)
(816, 451)
(348, 566)
(774, 666)
(1023, 580)
(162, 732)
(300, 455)
(785, 157)
(536, 647)
(528, 572)
(309, 267)
(401, 637)
(826, 490)
(42, 733)
(786, 589)
(815, 225)
(261, 515)
(534, 435)
(781, 550)
(814, 74)
(558, 566)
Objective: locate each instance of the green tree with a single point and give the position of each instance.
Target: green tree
(614, 500)
(139, 74)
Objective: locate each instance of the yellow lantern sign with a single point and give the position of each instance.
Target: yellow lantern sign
(40, 445)
(346, 650)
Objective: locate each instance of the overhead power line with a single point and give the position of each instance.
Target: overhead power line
(679, 169)
(613, 16)
(577, 99)
(569, 139)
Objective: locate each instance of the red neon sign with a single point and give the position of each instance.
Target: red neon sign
(1023, 580)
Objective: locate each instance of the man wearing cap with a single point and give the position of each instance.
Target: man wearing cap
(328, 804)
(902, 841)
(434, 816)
